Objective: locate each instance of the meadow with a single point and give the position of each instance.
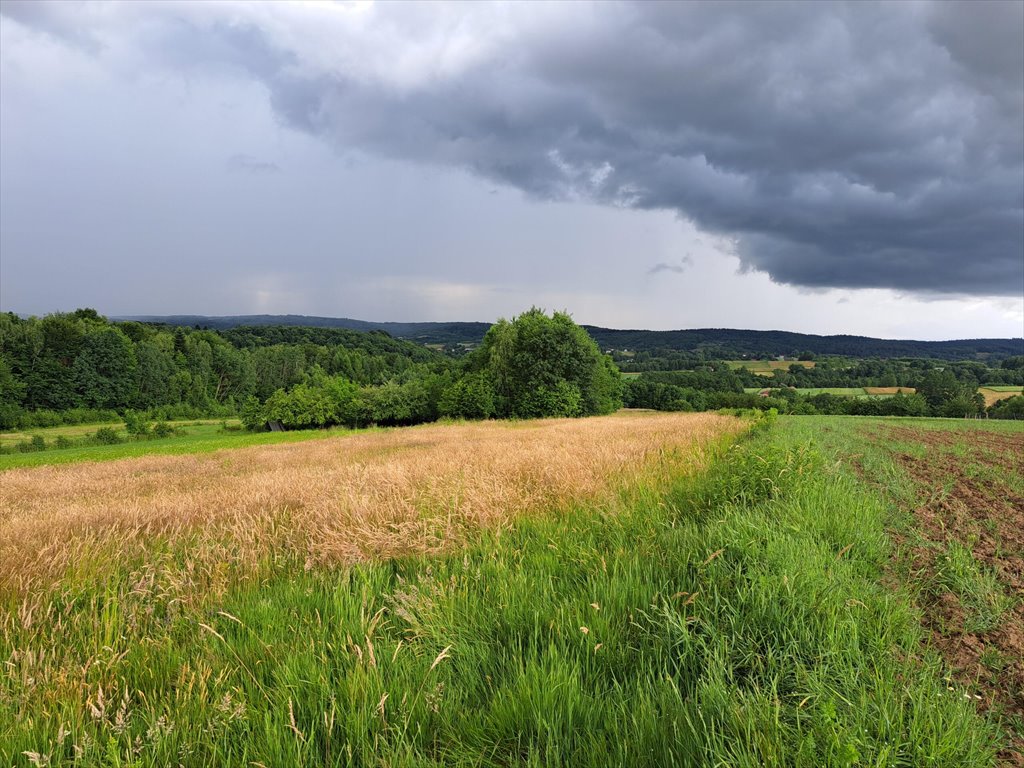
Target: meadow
(196, 436)
(638, 589)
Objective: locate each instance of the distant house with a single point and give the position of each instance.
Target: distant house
(764, 393)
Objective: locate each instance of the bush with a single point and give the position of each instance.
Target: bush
(10, 416)
(163, 429)
(471, 397)
(63, 442)
(107, 436)
(41, 419)
(252, 415)
(33, 444)
(1010, 408)
(135, 424)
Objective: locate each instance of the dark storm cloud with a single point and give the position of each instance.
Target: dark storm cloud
(852, 145)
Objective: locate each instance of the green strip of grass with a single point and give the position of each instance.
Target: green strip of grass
(203, 438)
(737, 621)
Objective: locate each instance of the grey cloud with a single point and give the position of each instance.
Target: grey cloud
(683, 264)
(663, 267)
(843, 145)
(247, 164)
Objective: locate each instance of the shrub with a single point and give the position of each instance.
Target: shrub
(135, 424)
(107, 436)
(163, 429)
(63, 442)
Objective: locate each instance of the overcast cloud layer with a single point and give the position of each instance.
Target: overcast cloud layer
(852, 146)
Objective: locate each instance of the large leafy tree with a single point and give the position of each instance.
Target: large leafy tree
(546, 366)
(104, 371)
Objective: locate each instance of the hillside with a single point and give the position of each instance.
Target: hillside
(722, 343)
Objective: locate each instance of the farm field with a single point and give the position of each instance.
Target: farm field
(960, 546)
(768, 367)
(991, 394)
(844, 391)
(996, 393)
(639, 589)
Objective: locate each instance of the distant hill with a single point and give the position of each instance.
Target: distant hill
(424, 333)
(722, 343)
(730, 344)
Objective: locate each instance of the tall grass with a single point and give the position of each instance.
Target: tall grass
(735, 619)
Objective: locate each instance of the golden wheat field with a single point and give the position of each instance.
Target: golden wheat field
(337, 500)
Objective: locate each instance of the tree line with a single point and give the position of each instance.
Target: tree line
(940, 391)
(79, 366)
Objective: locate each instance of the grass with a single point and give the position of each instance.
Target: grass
(193, 437)
(52, 433)
(957, 492)
(978, 589)
(696, 611)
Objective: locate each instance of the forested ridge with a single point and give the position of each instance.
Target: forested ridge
(709, 343)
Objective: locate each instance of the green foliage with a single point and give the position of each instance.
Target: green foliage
(1010, 408)
(546, 366)
(975, 586)
(107, 436)
(252, 414)
(470, 397)
(66, 361)
(135, 424)
(163, 429)
(104, 370)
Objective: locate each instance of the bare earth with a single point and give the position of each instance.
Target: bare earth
(973, 479)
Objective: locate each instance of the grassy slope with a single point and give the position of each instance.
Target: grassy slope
(736, 620)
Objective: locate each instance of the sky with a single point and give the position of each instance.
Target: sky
(815, 167)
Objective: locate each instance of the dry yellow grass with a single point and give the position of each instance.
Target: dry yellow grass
(334, 500)
(993, 396)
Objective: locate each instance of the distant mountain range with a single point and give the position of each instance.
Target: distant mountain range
(722, 343)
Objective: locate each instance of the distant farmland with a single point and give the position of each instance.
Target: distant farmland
(767, 367)
(996, 393)
(991, 394)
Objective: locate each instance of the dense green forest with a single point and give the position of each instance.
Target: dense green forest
(77, 367)
(661, 350)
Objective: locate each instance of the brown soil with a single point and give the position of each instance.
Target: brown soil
(986, 515)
